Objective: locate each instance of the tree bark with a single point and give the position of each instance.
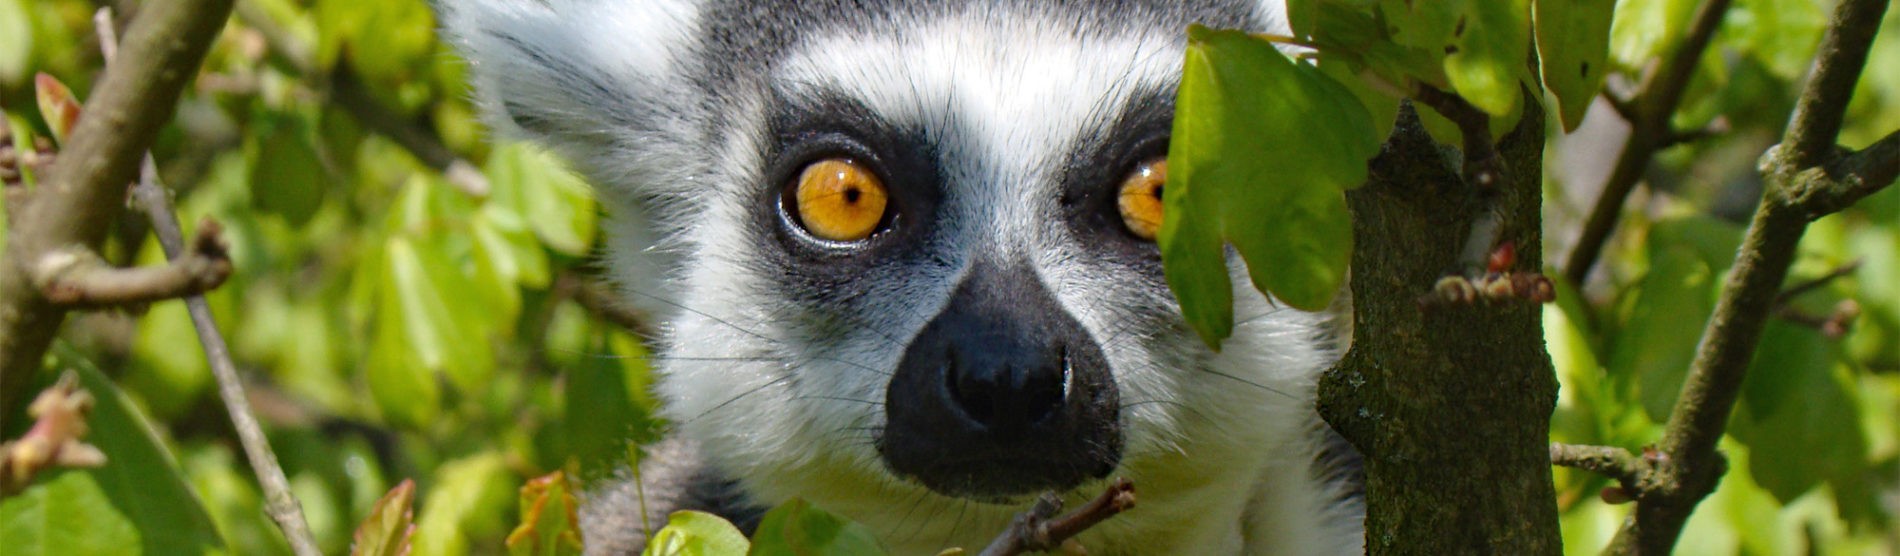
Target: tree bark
(1449, 403)
(85, 191)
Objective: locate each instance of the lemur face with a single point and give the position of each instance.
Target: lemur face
(901, 245)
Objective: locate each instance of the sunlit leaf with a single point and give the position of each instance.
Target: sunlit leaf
(1573, 47)
(1492, 55)
(692, 533)
(556, 203)
(466, 501)
(391, 523)
(1247, 167)
(796, 528)
(16, 41)
(1643, 30)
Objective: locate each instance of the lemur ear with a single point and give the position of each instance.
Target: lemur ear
(566, 71)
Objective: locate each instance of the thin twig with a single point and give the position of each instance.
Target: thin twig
(1648, 112)
(280, 503)
(1038, 530)
(78, 279)
(1798, 190)
(1796, 290)
(84, 192)
(1609, 461)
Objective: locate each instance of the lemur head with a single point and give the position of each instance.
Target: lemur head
(905, 243)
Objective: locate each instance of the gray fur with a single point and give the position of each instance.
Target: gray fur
(1010, 114)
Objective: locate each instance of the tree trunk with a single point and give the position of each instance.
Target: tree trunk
(1450, 404)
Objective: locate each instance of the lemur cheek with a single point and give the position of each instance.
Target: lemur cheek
(1140, 198)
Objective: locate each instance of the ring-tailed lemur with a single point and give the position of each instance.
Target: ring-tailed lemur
(904, 254)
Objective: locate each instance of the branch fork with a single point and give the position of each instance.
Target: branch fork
(78, 278)
(1039, 530)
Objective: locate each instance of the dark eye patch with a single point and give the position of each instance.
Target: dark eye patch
(1094, 171)
(804, 128)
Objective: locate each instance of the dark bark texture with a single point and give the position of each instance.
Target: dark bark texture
(1451, 403)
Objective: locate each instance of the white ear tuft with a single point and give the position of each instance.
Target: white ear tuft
(570, 70)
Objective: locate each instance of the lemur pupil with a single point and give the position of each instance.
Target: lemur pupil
(852, 194)
(1158, 189)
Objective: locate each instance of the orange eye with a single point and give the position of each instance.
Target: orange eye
(1140, 198)
(837, 199)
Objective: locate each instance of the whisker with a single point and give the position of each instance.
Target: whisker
(838, 398)
(779, 380)
(958, 524)
(1248, 382)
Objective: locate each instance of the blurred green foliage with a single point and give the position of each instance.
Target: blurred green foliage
(390, 324)
(393, 326)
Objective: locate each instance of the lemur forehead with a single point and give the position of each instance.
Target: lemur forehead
(986, 85)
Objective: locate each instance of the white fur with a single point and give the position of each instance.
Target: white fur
(1222, 454)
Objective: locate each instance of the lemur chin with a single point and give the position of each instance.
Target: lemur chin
(903, 254)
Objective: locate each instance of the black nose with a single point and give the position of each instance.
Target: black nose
(1002, 393)
(1006, 388)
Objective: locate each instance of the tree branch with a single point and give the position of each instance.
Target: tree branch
(1795, 194)
(1609, 461)
(77, 278)
(1039, 530)
(280, 504)
(1648, 111)
(84, 191)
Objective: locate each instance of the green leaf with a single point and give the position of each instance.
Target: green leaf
(390, 525)
(1492, 55)
(692, 533)
(1382, 108)
(548, 523)
(1643, 30)
(1429, 25)
(796, 528)
(466, 500)
(1248, 166)
(168, 372)
(1815, 436)
(405, 345)
(1657, 343)
(602, 417)
(138, 502)
(539, 188)
(287, 178)
(1786, 354)
(383, 40)
(1573, 47)
(16, 42)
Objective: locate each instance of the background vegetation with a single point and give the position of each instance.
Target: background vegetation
(413, 301)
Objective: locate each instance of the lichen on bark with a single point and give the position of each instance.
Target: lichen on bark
(1449, 404)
